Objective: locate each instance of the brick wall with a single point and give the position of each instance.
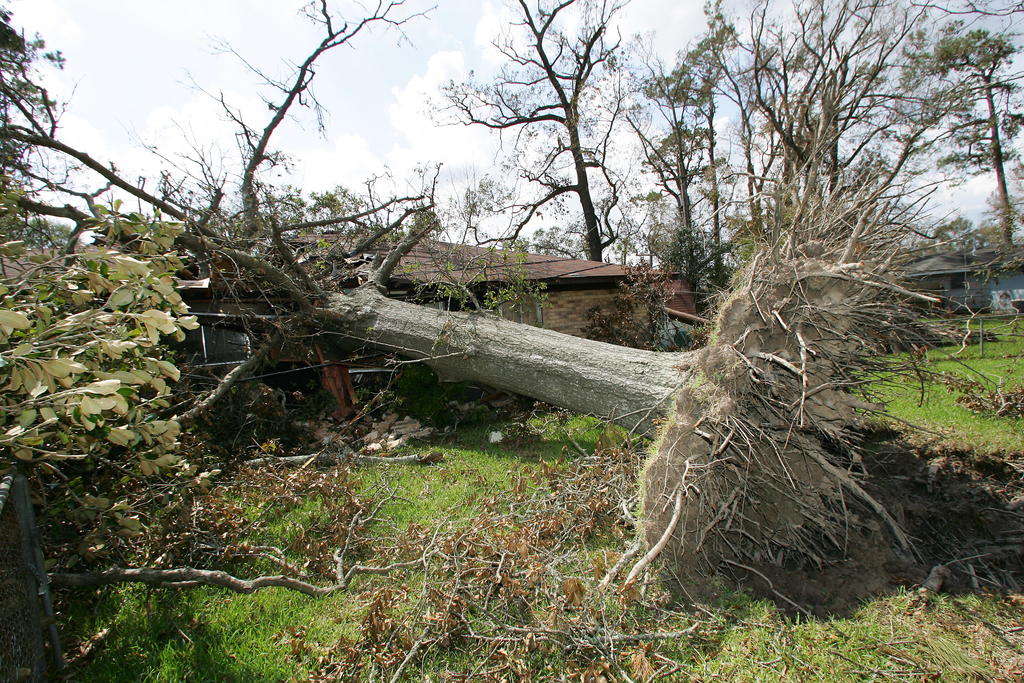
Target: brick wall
(566, 310)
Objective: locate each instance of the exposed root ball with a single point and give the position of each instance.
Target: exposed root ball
(761, 442)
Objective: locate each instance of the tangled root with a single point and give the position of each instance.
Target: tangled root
(762, 443)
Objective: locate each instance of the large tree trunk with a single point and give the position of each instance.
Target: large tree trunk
(626, 385)
(756, 444)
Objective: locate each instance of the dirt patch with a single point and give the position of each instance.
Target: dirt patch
(958, 509)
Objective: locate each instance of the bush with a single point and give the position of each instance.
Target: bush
(423, 396)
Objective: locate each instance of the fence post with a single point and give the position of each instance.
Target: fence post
(34, 559)
(22, 657)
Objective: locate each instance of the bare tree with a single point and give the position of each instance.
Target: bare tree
(826, 85)
(557, 94)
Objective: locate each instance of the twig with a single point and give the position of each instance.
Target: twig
(780, 361)
(187, 576)
(632, 552)
(996, 631)
(405, 662)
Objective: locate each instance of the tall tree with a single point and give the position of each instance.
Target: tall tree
(675, 124)
(982, 136)
(557, 93)
(828, 111)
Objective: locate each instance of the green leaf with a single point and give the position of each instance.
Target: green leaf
(15, 319)
(28, 417)
(22, 350)
(121, 436)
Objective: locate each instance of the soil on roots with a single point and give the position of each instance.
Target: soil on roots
(958, 509)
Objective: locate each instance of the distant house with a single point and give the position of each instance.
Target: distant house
(985, 278)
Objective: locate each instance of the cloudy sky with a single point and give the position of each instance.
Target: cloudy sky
(140, 71)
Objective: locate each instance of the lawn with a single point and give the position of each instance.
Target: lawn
(502, 545)
(929, 399)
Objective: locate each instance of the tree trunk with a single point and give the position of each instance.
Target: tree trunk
(998, 164)
(756, 443)
(627, 385)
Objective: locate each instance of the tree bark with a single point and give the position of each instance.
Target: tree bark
(630, 386)
(998, 164)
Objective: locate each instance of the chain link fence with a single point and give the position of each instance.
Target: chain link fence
(22, 655)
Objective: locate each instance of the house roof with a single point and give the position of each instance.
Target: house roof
(967, 260)
(470, 265)
(431, 260)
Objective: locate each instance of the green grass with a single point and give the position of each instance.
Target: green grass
(930, 403)
(473, 467)
(208, 634)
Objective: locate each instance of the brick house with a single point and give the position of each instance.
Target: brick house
(566, 288)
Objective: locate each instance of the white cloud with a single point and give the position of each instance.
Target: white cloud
(674, 24)
(351, 159)
(35, 15)
(348, 162)
(492, 25)
(969, 199)
(422, 140)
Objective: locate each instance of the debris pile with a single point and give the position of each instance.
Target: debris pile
(391, 433)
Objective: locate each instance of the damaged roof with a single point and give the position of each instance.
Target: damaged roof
(431, 260)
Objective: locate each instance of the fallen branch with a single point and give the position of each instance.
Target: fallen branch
(295, 460)
(405, 662)
(996, 631)
(186, 577)
(626, 557)
(687, 317)
(347, 456)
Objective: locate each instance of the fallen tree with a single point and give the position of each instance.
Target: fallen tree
(751, 464)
